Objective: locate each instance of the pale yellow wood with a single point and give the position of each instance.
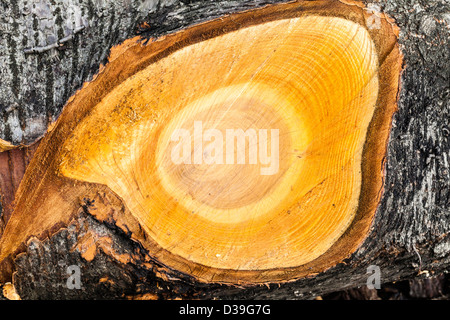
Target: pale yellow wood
(313, 74)
(313, 78)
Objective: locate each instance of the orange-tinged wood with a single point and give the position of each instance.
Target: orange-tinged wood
(5, 145)
(9, 292)
(310, 73)
(218, 215)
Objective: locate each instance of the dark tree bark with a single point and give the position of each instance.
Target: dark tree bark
(409, 236)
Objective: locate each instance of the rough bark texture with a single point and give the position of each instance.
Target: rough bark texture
(410, 235)
(49, 48)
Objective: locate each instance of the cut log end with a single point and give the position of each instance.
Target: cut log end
(248, 149)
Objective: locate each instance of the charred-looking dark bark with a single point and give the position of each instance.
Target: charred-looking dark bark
(48, 49)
